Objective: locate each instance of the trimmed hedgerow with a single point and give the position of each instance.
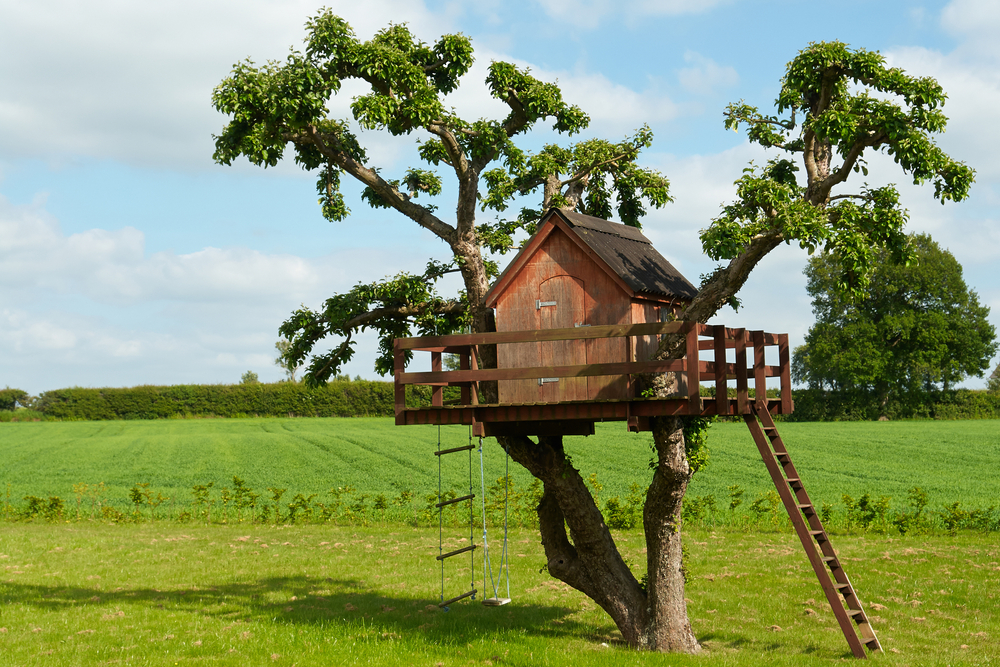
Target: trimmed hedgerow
(340, 398)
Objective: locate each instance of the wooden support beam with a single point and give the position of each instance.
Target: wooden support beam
(540, 335)
(759, 381)
(786, 376)
(721, 387)
(742, 394)
(464, 363)
(467, 375)
(693, 370)
(437, 392)
(399, 393)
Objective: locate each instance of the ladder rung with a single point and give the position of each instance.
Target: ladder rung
(794, 480)
(854, 613)
(457, 598)
(805, 506)
(873, 644)
(830, 559)
(841, 587)
(456, 500)
(454, 449)
(814, 533)
(456, 552)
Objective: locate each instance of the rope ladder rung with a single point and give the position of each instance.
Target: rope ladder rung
(457, 598)
(456, 500)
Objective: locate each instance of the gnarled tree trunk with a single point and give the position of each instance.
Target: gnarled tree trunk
(651, 617)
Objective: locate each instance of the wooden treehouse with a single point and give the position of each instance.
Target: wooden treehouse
(579, 312)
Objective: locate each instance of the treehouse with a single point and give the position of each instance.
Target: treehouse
(580, 312)
(581, 271)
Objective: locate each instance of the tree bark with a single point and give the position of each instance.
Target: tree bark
(587, 558)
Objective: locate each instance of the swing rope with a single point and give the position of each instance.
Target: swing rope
(504, 568)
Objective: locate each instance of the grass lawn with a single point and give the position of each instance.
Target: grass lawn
(163, 594)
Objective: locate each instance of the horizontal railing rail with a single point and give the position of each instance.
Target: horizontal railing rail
(698, 337)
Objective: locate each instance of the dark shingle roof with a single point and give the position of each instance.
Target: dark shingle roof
(631, 255)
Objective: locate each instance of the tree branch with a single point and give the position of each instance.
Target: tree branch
(391, 195)
(445, 308)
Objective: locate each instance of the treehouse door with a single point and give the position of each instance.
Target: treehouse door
(560, 305)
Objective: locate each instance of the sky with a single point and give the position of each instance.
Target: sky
(128, 257)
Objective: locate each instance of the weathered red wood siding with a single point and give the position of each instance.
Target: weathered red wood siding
(594, 298)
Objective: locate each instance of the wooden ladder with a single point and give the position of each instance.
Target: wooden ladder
(839, 591)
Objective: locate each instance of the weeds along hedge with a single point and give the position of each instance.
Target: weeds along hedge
(340, 398)
(506, 504)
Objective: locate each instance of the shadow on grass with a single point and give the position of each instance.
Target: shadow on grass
(314, 601)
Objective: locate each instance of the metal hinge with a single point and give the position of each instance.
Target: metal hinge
(542, 381)
(539, 304)
(580, 324)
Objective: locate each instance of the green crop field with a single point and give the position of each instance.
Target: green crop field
(951, 461)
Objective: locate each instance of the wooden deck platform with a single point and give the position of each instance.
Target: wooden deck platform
(578, 417)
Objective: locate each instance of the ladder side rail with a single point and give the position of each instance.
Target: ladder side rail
(802, 530)
(846, 588)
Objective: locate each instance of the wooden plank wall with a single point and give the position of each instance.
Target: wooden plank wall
(604, 302)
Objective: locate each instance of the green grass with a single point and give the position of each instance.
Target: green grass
(163, 594)
(952, 461)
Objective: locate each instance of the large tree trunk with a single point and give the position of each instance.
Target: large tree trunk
(587, 558)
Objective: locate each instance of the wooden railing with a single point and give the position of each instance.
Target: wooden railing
(699, 337)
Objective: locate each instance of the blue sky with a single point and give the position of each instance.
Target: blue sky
(127, 257)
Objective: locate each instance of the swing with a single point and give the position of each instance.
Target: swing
(504, 568)
(496, 600)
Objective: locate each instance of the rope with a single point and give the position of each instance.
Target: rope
(472, 525)
(487, 564)
(440, 517)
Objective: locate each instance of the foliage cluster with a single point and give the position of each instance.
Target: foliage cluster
(915, 329)
(340, 398)
(12, 398)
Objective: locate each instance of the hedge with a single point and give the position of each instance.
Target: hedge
(341, 398)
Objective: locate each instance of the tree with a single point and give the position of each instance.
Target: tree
(249, 378)
(282, 362)
(11, 398)
(915, 326)
(284, 104)
(994, 383)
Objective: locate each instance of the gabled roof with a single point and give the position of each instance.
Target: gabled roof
(626, 253)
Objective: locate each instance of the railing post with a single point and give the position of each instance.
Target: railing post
(742, 398)
(721, 386)
(464, 364)
(759, 379)
(786, 374)
(474, 386)
(693, 370)
(399, 389)
(436, 392)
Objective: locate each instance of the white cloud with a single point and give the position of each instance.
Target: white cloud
(133, 81)
(94, 309)
(705, 76)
